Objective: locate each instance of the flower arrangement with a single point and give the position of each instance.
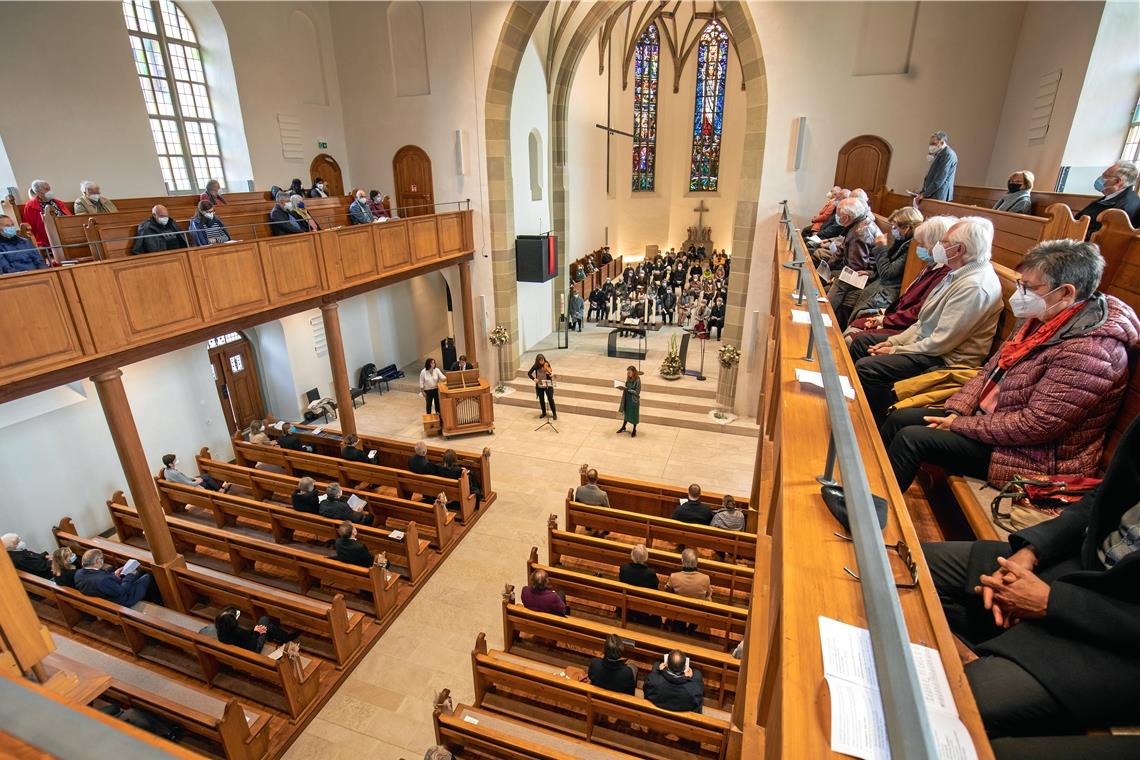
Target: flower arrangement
(671, 366)
(729, 356)
(499, 336)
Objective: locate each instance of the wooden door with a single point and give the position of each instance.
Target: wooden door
(863, 162)
(326, 167)
(414, 194)
(235, 374)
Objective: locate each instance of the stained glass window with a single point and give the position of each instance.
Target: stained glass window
(645, 61)
(708, 114)
(168, 61)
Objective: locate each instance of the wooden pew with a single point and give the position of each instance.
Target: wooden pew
(408, 553)
(238, 732)
(736, 546)
(332, 631)
(724, 623)
(659, 499)
(732, 583)
(394, 453)
(986, 197)
(174, 641)
(307, 571)
(530, 692)
(477, 734)
(404, 482)
(579, 640)
(434, 521)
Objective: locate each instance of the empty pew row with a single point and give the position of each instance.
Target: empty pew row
(374, 589)
(731, 583)
(736, 546)
(577, 640)
(721, 625)
(393, 453)
(408, 553)
(331, 630)
(404, 482)
(660, 500)
(481, 734)
(175, 641)
(434, 521)
(531, 692)
(216, 726)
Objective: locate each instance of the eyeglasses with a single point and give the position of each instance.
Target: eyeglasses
(902, 550)
(1024, 289)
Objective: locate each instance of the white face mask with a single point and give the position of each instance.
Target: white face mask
(49, 195)
(288, 206)
(21, 545)
(938, 253)
(320, 185)
(94, 197)
(931, 150)
(1027, 305)
(209, 214)
(361, 199)
(237, 614)
(162, 220)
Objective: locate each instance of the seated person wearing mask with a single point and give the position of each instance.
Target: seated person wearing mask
(955, 326)
(171, 472)
(302, 215)
(206, 228)
(335, 506)
(159, 233)
(91, 201)
(1019, 199)
(96, 578)
(319, 189)
(281, 221)
(1044, 400)
(674, 686)
(856, 252)
(885, 281)
(17, 254)
(352, 451)
(359, 212)
(36, 563)
(63, 567)
(1116, 184)
(229, 631)
(1052, 612)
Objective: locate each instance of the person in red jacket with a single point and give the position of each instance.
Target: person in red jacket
(1042, 403)
(41, 199)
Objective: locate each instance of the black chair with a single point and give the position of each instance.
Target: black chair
(367, 378)
(310, 415)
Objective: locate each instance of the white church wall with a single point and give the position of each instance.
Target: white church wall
(62, 462)
(530, 114)
(1053, 36)
(589, 209)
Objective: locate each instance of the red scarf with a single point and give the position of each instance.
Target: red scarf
(1033, 334)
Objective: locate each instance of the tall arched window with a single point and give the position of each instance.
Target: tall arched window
(708, 114)
(645, 61)
(169, 63)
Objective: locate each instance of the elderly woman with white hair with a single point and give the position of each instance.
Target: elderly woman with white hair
(92, 201)
(955, 326)
(856, 252)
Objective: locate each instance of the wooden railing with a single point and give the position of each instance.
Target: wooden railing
(62, 324)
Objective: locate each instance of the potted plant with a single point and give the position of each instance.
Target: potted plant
(499, 337)
(671, 366)
(729, 357)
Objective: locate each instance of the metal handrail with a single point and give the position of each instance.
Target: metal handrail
(908, 724)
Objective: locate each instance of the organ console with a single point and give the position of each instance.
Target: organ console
(465, 404)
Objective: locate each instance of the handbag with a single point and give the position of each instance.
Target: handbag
(1032, 502)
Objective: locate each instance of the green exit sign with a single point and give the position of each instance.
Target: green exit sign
(322, 145)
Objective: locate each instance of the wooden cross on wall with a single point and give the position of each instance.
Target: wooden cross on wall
(609, 130)
(701, 209)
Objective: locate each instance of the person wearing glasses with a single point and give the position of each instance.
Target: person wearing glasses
(1042, 403)
(955, 326)
(1052, 614)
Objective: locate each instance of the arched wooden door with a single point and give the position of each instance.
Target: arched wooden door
(415, 195)
(326, 167)
(864, 161)
(235, 374)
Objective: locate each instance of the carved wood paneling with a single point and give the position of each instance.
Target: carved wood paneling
(425, 239)
(451, 233)
(394, 249)
(292, 267)
(230, 279)
(357, 253)
(46, 336)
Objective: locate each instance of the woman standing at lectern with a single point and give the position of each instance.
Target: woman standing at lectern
(630, 406)
(543, 377)
(430, 376)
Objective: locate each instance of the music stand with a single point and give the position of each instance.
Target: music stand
(550, 384)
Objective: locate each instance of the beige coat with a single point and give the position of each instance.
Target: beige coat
(690, 583)
(83, 205)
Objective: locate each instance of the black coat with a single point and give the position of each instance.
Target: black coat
(245, 638)
(638, 575)
(36, 563)
(290, 442)
(615, 675)
(673, 692)
(693, 512)
(1128, 202)
(1084, 649)
(281, 222)
(170, 237)
(421, 465)
(307, 502)
(353, 454)
(65, 578)
(353, 552)
(339, 510)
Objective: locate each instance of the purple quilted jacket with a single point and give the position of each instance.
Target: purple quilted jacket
(1054, 406)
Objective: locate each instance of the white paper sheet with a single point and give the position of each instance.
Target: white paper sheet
(801, 317)
(815, 378)
(853, 278)
(316, 430)
(322, 497)
(372, 454)
(858, 727)
(396, 535)
(356, 503)
(813, 238)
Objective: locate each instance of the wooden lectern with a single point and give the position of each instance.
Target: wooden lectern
(465, 404)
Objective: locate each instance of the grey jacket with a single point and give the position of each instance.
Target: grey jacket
(939, 182)
(591, 494)
(359, 213)
(958, 319)
(1019, 202)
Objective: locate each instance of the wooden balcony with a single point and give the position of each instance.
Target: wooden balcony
(63, 324)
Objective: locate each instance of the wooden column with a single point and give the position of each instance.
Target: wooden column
(140, 482)
(341, 387)
(468, 311)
